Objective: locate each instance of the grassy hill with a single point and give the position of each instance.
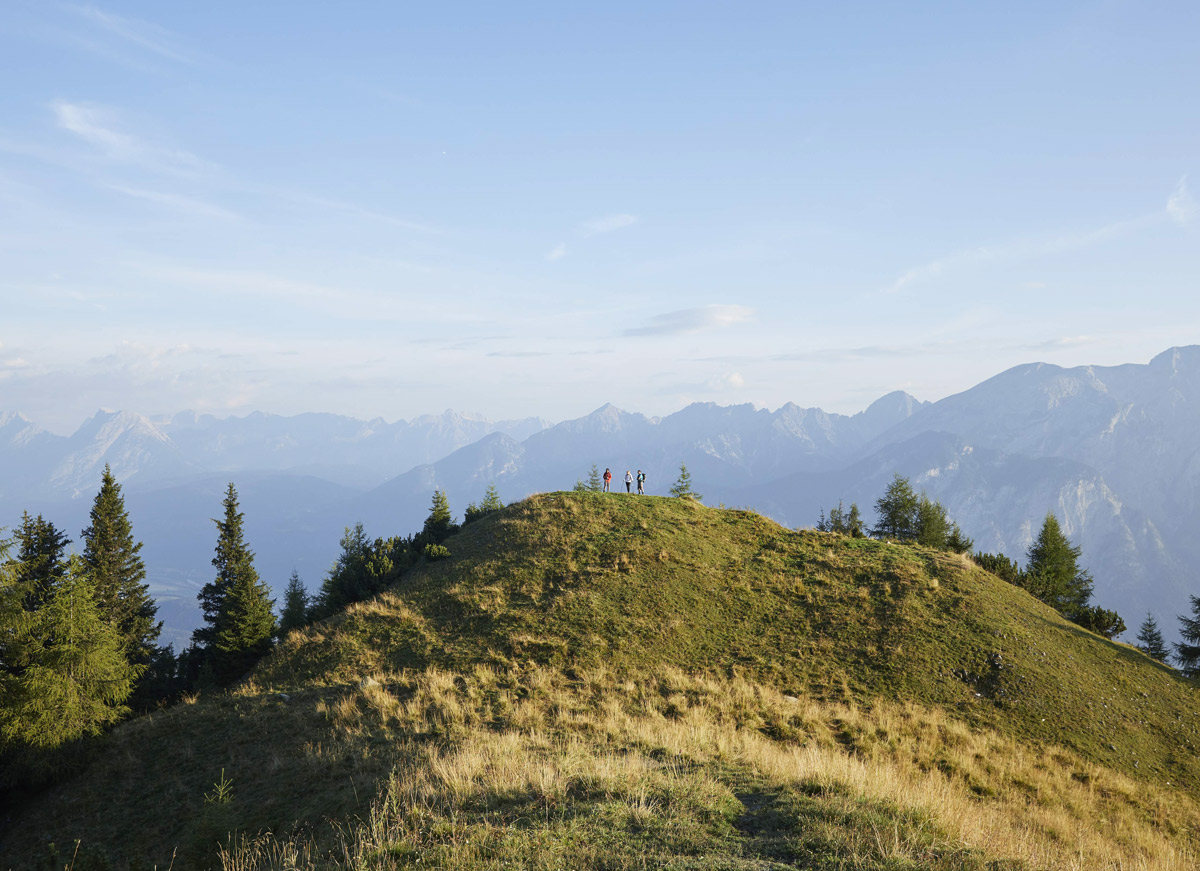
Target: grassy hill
(606, 681)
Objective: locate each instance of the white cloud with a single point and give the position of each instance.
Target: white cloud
(557, 252)
(608, 224)
(693, 320)
(1181, 206)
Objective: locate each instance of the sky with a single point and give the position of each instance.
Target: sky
(389, 209)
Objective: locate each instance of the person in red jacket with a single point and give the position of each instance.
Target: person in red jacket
(607, 479)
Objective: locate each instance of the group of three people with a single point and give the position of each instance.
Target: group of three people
(641, 481)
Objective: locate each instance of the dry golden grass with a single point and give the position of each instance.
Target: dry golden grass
(628, 750)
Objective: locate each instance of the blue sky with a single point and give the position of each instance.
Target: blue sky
(386, 209)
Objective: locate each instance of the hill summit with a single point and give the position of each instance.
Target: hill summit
(595, 680)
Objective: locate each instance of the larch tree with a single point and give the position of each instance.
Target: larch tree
(73, 678)
(118, 575)
(1053, 573)
(896, 511)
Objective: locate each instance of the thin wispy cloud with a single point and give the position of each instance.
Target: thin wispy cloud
(185, 205)
(1019, 250)
(557, 252)
(1181, 206)
(608, 224)
(99, 128)
(693, 320)
(134, 32)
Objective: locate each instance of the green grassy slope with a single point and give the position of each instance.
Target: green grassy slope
(586, 578)
(569, 604)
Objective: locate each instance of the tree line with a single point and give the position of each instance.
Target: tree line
(79, 632)
(1052, 572)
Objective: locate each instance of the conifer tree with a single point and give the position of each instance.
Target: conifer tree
(491, 502)
(1187, 652)
(1002, 567)
(348, 580)
(41, 560)
(594, 482)
(932, 523)
(1053, 571)
(957, 540)
(64, 674)
(439, 524)
(897, 511)
(491, 499)
(855, 527)
(1150, 640)
(236, 606)
(118, 574)
(295, 606)
(682, 488)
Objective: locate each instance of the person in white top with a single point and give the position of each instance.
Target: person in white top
(628, 480)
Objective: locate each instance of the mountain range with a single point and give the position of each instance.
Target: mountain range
(1113, 451)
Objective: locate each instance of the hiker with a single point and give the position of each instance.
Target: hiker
(607, 479)
(628, 480)
(641, 479)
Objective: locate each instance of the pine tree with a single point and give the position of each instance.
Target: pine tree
(236, 606)
(1053, 571)
(594, 482)
(118, 574)
(64, 672)
(439, 524)
(682, 488)
(1150, 640)
(1187, 652)
(295, 606)
(897, 511)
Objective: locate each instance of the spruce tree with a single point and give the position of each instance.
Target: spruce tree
(1187, 652)
(957, 540)
(41, 560)
(1053, 571)
(897, 511)
(237, 609)
(118, 574)
(594, 482)
(682, 488)
(1150, 640)
(439, 524)
(295, 606)
(491, 499)
(348, 580)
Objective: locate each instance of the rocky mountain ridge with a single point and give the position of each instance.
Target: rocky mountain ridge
(1111, 450)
